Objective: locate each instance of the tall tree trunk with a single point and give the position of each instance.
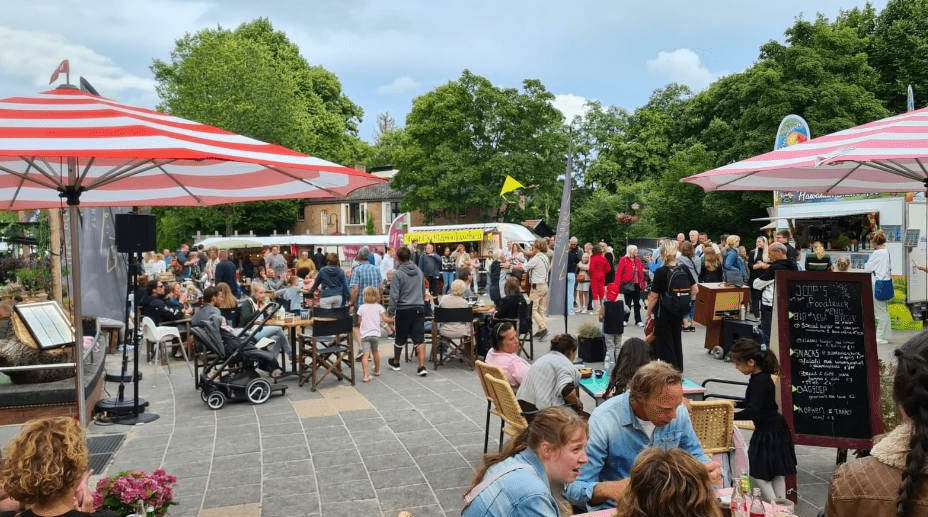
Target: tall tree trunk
(54, 239)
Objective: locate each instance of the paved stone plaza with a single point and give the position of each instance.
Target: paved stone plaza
(401, 442)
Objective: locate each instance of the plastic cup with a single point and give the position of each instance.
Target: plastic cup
(598, 373)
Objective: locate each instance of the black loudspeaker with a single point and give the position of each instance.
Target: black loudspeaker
(135, 233)
(732, 330)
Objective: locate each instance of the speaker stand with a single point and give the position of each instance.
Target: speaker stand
(120, 410)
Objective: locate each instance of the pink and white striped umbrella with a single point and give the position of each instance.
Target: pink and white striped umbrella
(887, 155)
(128, 156)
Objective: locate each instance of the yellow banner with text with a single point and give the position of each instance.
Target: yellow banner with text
(444, 236)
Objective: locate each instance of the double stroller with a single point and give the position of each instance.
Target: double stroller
(231, 374)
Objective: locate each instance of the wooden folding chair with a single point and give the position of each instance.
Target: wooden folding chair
(484, 369)
(460, 347)
(330, 348)
(713, 421)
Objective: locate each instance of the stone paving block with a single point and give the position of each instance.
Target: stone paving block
(333, 459)
(389, 461)
(234, 447)
(280, 454)
(290, 505)
(361, 414)
(242, 510)
(397, 498)
(189, 470)
(272, 429)
(450, 499)
(221, 497)
(352, 490)
(351, 508)
(429, 449)
(450, 478)
(346, 471)
(188, 493)
(233, 478)
(438, 462)
(288, 469)
(422, 437)
(283, 440)
(250, 460)
(289, 485)
(390, 445)
(397, 477)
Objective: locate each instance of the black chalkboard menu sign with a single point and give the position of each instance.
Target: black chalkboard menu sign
(829, 379)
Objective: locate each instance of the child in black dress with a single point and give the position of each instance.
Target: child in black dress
(770, 451)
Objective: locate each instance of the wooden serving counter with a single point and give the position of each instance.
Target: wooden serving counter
(712, 301)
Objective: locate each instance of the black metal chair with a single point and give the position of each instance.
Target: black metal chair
(443, 347)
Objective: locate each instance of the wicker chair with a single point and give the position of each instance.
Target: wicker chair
(713, 421)
(505, 400)
(484, 369)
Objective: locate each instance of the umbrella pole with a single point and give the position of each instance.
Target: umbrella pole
(73, 199)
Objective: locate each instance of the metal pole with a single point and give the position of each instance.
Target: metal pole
(73, 200)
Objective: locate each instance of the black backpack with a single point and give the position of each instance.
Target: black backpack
(676, 299)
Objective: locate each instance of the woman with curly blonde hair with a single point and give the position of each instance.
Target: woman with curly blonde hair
(668, 482)
(45, 469)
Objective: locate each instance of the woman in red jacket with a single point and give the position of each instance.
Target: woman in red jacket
(599, 266)
(631, 271)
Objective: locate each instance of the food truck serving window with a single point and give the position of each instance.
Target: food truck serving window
(835, 232)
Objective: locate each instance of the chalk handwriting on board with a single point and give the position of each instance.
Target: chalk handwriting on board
(827, 359)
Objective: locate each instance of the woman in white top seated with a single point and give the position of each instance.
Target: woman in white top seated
(455, 300)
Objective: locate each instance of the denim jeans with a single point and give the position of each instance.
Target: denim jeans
(447, 278)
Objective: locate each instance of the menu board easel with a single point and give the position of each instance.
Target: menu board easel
(829, 384)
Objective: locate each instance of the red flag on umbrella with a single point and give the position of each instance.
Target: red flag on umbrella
(63, 68)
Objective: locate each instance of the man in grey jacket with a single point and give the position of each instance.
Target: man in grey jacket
(430, 264)
(407, 309)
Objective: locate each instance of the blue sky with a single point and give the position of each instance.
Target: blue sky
(386, 53)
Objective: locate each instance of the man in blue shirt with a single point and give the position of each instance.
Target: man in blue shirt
(363, 275)
(649, 414)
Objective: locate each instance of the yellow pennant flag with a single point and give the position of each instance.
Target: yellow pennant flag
(510, 184)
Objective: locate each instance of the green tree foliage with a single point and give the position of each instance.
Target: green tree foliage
(899, 52)
(463, 138)
(253, 81)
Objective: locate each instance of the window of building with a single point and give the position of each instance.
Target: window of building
(356, 213)
(324, 222)
(301, 213)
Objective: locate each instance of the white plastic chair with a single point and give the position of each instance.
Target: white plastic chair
(159, 337)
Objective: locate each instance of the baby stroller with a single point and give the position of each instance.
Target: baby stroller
(231, 374)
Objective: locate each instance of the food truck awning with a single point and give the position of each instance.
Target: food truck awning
(815, 210)
(298, 240)
(511, 232)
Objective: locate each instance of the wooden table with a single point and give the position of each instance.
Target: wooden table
(596, 387)
(292, 324)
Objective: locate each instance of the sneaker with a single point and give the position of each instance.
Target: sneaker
(639, 324)
(624, 323)
(394, 364)
(421, 372)
(541, 333)
(882, 342)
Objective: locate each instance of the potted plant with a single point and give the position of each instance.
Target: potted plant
(125, 492)
(590, 344)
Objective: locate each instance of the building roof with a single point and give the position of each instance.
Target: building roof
(378, 192)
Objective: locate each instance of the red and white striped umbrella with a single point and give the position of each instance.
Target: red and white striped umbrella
(128, 156)
(887, 155)
(91, 151)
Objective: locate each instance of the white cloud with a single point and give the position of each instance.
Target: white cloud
(32, 56)
(570, 105)
(682, 66)
(402, 84)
